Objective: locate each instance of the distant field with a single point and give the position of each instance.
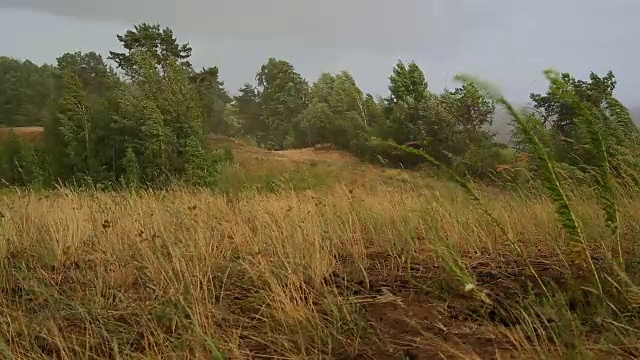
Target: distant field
(34, 133)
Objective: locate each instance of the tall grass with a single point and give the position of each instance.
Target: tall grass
(326, 262)
(591, 121)
(325, 273)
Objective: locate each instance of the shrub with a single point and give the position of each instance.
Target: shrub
(23, 163)
(386, 152)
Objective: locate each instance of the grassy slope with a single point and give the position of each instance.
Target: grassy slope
(305, 254)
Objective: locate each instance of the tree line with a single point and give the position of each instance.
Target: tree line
(145, 121)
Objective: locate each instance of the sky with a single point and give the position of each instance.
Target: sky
(506, 42)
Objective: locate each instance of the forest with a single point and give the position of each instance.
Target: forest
(147, 211)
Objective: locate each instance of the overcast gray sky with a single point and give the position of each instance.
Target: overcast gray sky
(507, 42)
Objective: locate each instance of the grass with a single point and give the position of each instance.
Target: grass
(348, 270)
(309, 254)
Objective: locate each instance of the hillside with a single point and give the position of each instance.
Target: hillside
(246, 153)
(317, 154)
(304, 253)
(261, 169)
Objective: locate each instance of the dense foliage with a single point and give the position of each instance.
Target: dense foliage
(146, 121)
(147, 127)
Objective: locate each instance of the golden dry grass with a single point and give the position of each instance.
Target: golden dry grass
(340, 260)
(31, 133)
(342, 272)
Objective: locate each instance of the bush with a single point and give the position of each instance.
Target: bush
(485, 161)
(386, 152)
(23, 163)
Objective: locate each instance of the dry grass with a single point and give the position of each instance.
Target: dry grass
(342, 273)
(363, 264)
(31, 133)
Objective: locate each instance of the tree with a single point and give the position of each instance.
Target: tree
(171, 136)
(407, 104)
(471, 113)
(213, 97)
(336, 114)
(160, 44)
(560, 110)
(247, 105)
(283, 97)
(23, 163)
(407, 83)
(462, 118)
(145, 130)
(97, 78)
(374, 114)
(71, 130)
(25, 92)
(162, 110)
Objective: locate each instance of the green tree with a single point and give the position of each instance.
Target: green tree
(100, 84)
(163, 109)
(70, 130)
(471, 113)
(374, 114)
(584, 126)
(283, 97)
(463, 117)
(131, 174)
(247, 105)
(164, 116)
(160, 44)
(407, 106)
(407, 83)
(152, 141)
(559, 111)
(96, 76)
(22, 163)
(25, 93)
(214, 99)
(336, 114)
(147, 129)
